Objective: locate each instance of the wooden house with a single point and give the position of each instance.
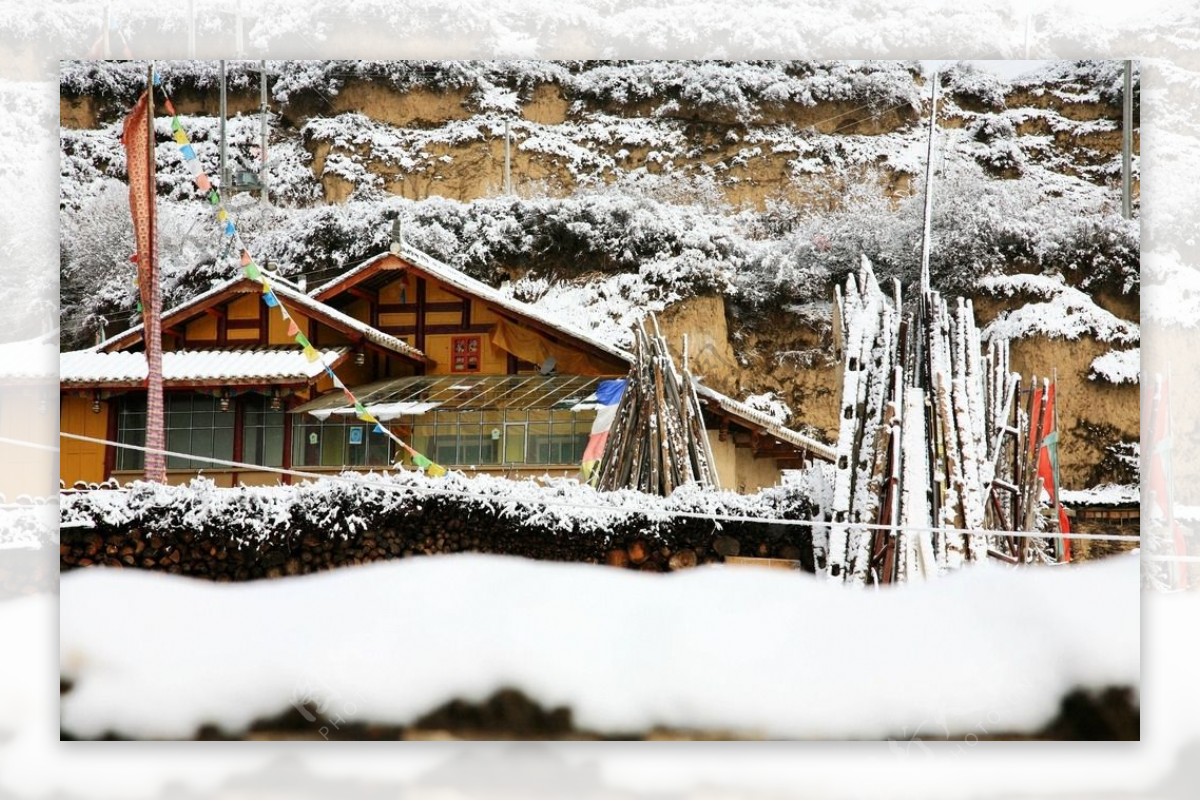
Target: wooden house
(471, 378)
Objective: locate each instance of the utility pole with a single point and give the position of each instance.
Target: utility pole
(224, 170)
(262, 176)
(1127, 145)
(507, 160)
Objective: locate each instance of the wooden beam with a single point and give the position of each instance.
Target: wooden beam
(411, 308)
(420, 330)
(430, 330)
(370, 296)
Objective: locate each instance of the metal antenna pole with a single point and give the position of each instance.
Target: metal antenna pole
(1127, 145)
(262, 176)
(224, 170)
(925, 237)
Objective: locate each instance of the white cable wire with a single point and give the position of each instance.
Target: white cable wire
(365, 481)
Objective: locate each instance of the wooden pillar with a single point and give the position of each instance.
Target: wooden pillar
(287, 439)
(420, 339)
(110, 451)
(239, 422)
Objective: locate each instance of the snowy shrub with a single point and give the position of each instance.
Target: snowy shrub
(980, 89)
(1099, 251)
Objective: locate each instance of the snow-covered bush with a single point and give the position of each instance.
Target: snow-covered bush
(980, 89)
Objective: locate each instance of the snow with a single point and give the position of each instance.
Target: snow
(89, 366)
(770, 405)
(1117, 366)
(1008, 643)
(343, 506)
(1060, 312)
(1103, 495)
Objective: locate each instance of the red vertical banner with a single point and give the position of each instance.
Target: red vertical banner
(138, 138)
(1047, 462)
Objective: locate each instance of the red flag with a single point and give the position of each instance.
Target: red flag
(135, 137)
(1047, 466)
(139, 160)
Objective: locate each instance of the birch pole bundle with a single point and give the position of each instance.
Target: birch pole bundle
(936, 438)
(658, 440)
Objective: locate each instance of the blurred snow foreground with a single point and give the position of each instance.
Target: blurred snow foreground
(749, 652)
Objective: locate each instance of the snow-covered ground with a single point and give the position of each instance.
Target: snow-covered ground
(747, 651)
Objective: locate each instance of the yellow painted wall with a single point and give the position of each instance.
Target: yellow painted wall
(244, 307)
(277, 327)
(203, 327)
(754, 474)
(82, 461)
(737, 468)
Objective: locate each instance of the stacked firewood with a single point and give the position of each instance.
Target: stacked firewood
(437, 526)
(658, 440)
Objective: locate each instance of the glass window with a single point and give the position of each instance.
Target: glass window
(340, 441)
(194, 424)
(131, 430)
(262, 432)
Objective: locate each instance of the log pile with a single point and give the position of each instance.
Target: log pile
(437, 525)
(937, 438)
(657, 441)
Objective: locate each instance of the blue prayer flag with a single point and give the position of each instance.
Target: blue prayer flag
(609, 392)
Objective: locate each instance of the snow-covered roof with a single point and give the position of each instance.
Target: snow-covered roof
(293, 299)
(764, 421)
(459, 280)
(269, 364)
(1104, 495)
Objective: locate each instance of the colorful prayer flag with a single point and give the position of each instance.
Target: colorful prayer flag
(188, 152)
(311, 354)
(202, 182)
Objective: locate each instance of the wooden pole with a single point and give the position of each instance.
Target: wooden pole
(155, 436)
